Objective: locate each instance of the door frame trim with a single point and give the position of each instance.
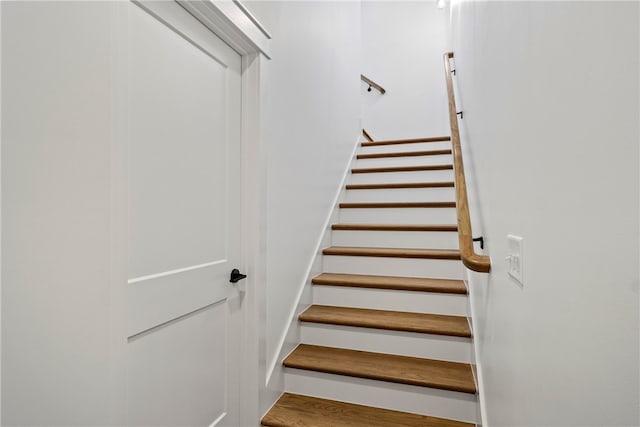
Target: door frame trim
(233, 23)
(253, 225)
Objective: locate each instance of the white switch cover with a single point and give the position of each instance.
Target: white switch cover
(515, 258)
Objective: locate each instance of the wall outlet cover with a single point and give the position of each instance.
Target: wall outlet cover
(516, 257)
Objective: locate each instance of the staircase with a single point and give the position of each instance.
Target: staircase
(387, 341)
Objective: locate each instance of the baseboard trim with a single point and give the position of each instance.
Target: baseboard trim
(317, 252)
(477, 366)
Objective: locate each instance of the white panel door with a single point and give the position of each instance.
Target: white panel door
(183, 140)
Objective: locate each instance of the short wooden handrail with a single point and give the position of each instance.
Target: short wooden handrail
(372, 84)
(366, 135)
(469, 257)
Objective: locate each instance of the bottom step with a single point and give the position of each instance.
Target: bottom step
(294, 410)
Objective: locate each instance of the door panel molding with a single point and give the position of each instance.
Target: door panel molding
(172, 321)
(147, 300)
(176, 271)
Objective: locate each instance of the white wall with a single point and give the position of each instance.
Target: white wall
(550, 133)
(311, 121)
(55, 214)
(402, 47)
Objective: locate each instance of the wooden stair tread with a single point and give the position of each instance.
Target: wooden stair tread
(399, 185)
(381, 205)
(436, 324)
(452, 254)
(395, 227)
(419, 284)
(295, 410)
(417, 371)
(403, 154)
(406, 141)
(403, 169)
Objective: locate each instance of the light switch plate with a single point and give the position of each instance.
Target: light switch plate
(516, 257)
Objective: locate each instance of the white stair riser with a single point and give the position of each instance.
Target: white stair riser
(383, 266)
(441, 159)
(398, 216)
(414, 176)
(390, 299)
(435, 194)
(395, 239)
(401, 148)
(382, 394)
(455, 349)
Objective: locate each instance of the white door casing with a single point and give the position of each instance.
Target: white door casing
(183, 139)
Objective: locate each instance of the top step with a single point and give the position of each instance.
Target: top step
(406, 141)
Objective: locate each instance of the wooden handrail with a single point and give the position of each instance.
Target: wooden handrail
(373, 84)
(366, 135)
(469, 257)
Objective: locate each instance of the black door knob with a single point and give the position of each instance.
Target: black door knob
(236, 276)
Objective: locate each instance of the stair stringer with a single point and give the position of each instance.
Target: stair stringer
(290, 338)
(483, 280)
